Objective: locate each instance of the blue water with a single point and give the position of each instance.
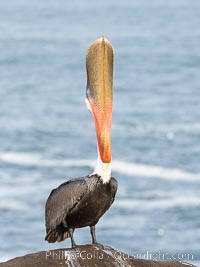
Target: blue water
(47, 135)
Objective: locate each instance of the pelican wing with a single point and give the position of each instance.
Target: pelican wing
(62, 200)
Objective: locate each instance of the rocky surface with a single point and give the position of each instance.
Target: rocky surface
(85, 256)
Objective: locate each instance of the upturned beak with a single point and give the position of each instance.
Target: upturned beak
(99, 95)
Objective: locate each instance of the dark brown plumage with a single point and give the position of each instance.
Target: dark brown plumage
(75, 204)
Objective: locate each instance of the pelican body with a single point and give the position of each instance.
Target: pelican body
(78, 203)
(82, 201)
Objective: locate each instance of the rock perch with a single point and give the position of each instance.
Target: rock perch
(86, 256)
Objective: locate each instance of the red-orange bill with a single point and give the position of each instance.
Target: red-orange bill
(99, 64)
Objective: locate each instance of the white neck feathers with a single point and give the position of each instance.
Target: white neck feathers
(103, 170)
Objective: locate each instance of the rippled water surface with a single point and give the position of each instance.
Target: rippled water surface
(47, 135)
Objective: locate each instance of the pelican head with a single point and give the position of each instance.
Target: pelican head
(99, 97)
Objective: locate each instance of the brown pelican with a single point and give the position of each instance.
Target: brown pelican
(82, 201)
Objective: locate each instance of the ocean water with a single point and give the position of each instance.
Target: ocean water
(48, 136)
